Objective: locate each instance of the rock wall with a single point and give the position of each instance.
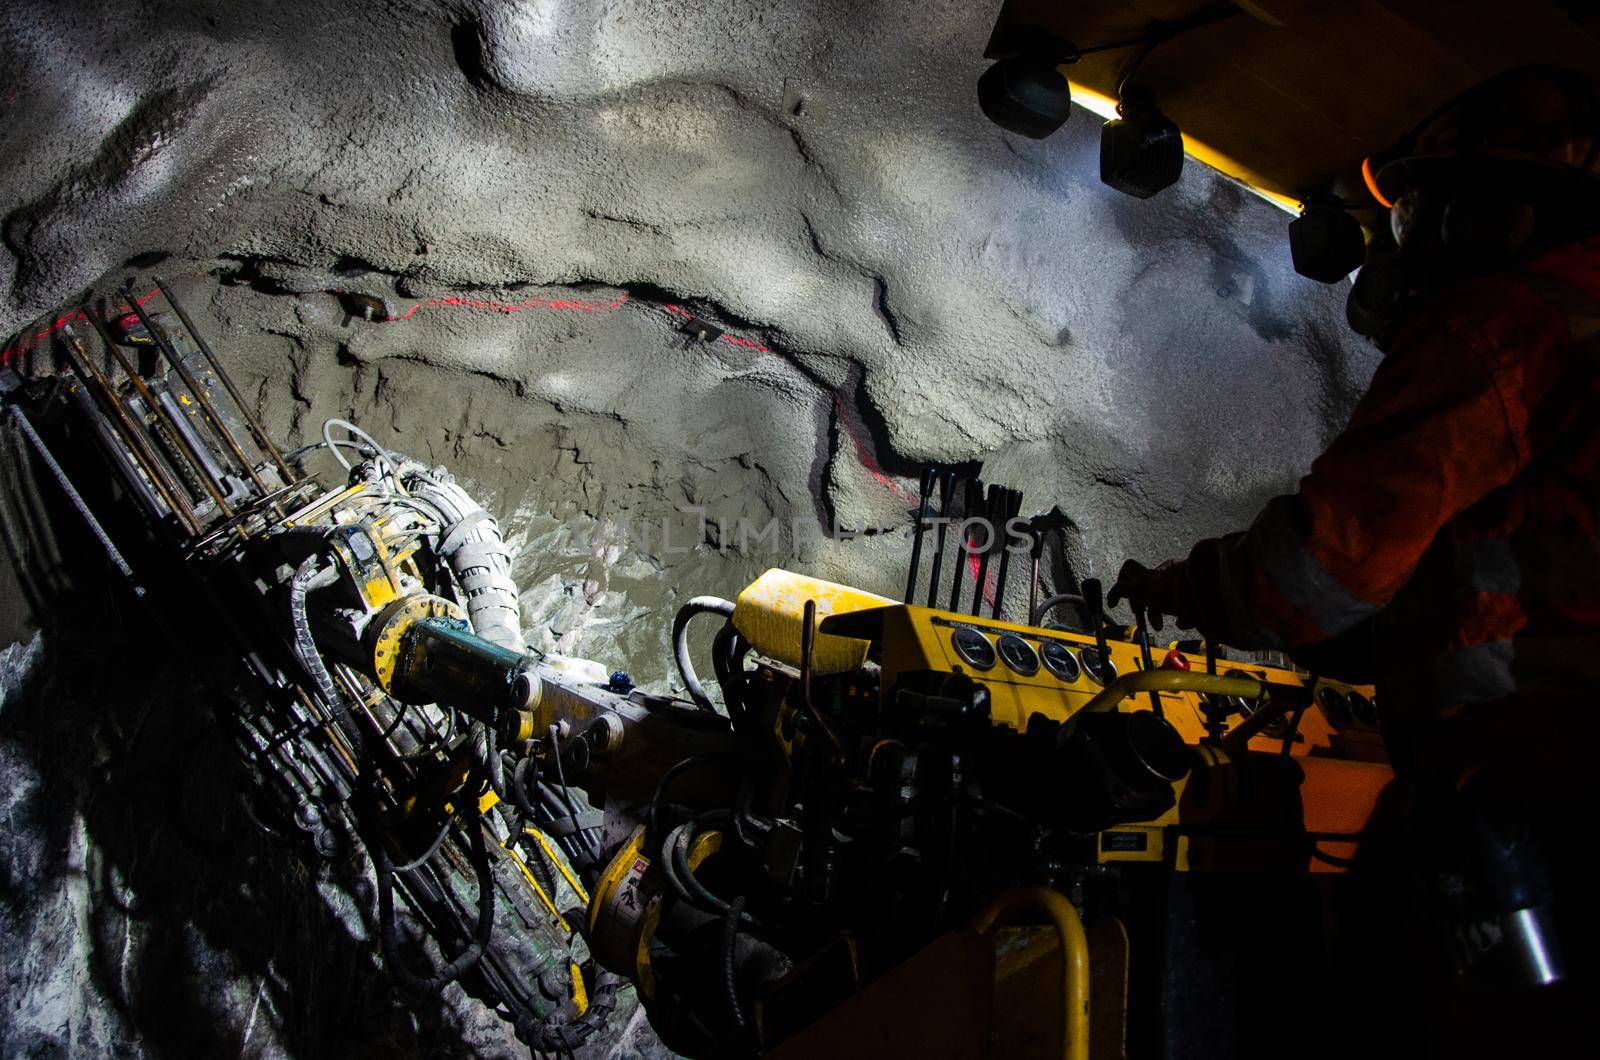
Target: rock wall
(478, 228)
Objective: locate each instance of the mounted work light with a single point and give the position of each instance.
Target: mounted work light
(1028, 96)
(1325, 241)
(1141, 150)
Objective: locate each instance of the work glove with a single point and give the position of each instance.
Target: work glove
(1153, 592)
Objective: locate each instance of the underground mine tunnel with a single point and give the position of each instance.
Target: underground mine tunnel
(578, 529)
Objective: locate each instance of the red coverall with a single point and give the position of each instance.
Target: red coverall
(1458, 517)
(1459, 509)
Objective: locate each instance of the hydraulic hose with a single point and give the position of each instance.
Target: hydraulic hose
(730, 935)
(1052, 601)
(388, 932)
(306, 578)
(471, 543)
(699, 605)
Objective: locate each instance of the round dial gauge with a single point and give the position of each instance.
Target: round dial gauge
(1334, 705)
(973, 647)
(1245, 707)
(1100, 668)
(1059, 660)
(1018, 654)
(1362, 708)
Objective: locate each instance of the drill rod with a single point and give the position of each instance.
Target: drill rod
(209, 411)
(82, 506)
(250, 420)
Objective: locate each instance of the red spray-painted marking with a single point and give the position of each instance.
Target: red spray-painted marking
(863, 453)
(27, 342)
(569, 304)
(576, 305)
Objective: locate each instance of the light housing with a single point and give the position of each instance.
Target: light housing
(1027, 96)
(1141, 150)
(1326, 241)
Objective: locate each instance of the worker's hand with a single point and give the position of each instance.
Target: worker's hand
(1149, 591)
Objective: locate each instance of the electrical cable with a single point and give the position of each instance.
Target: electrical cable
(399, 716)
(653, 813)
(1159, 32)
(699, 605)
(433, 847)
(388, 931)
(730, 935)
(388, 456)
(566, 794)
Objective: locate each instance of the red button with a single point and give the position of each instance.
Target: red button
(1175, 660)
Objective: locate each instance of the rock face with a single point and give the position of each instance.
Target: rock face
(480, 227)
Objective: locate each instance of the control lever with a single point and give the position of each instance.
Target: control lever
(1094, 601)
(1013, 507)
(1144, 654)
(929, 474)
(1038, 527)
(993, 505)
(973, 500)
(947, 491)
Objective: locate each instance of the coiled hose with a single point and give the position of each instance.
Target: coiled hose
(307, 577)
(699, 605)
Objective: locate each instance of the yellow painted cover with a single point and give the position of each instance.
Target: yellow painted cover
(769, 615)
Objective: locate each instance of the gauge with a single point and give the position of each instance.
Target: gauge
(1362, 708)
(1059, 660)
(1099, 667)
(1334, 705)
(973, 647)
(1245, 707)
(1018, 654)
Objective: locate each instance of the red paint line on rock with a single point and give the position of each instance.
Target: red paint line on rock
(483, 305)
(863, 451)
(28, 341)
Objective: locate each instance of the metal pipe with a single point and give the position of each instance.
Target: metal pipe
(1063, 916)
(808, 636)
(1183, 681)
(208, 410)
(82, 506)
(249, 418)
(169, 488)
(179, 437)
(112, 406)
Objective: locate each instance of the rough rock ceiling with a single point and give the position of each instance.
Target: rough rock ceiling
(537, 193)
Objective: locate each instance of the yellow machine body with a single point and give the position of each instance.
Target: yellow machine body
(769, 614)
(912, 638)
(1212, 825)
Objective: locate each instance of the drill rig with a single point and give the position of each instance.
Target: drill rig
(888, 811)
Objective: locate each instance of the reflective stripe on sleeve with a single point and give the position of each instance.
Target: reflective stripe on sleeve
(1548, 568)
(1297, 575)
